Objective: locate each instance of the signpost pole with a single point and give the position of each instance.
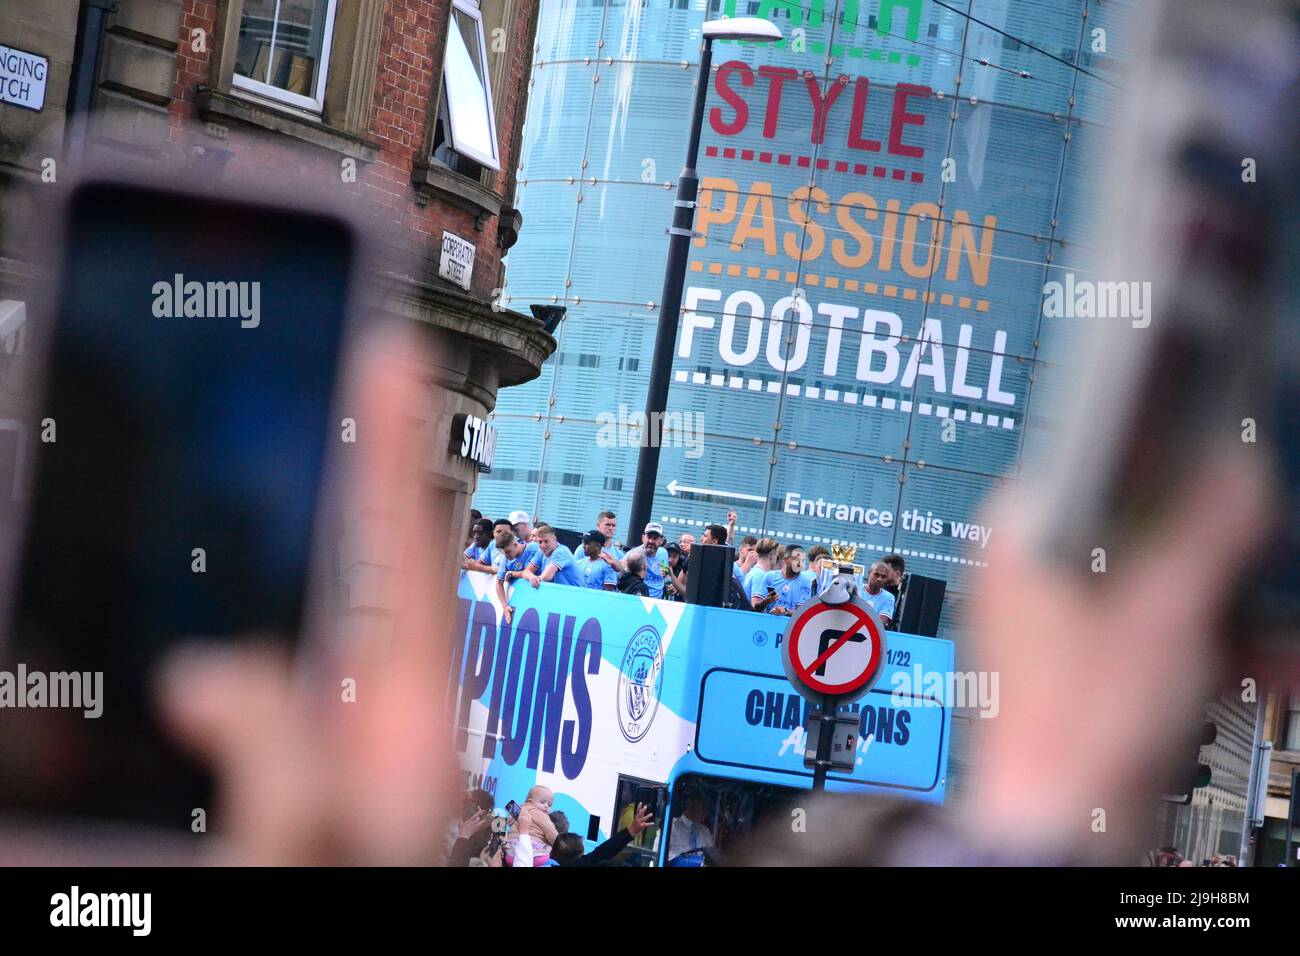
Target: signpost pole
(825, 732)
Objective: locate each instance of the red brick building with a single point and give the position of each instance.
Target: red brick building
(381, 102)
(410, 108)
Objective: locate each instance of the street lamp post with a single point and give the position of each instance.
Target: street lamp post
(679, 249)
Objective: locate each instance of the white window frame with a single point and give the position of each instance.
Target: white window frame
(310, 104)
(472, 10)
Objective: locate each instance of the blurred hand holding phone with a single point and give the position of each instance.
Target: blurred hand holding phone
(1180, 461)
(199, 352)
(1205, 211)
(1179, 468)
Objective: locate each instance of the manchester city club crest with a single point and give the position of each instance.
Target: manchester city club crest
(640, 682)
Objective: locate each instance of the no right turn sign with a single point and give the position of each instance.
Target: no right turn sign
(833, 650)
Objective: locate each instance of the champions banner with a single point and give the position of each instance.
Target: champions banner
(585, 685)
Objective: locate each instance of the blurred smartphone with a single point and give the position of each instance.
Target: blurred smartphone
(180, 439)
(513, 808)
(1213, 236)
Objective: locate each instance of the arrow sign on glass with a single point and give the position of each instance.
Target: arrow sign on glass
(674, 487)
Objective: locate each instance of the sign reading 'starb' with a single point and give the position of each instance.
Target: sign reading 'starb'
(640, 683)
(474, 440)
(22, 78)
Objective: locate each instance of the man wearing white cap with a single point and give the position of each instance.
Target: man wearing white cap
(657, 572)
(519, 520)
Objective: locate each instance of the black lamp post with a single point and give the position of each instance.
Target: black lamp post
(679, 250)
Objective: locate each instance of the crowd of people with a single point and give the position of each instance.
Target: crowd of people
(767, 576)
(532, 834)
(1168, 856)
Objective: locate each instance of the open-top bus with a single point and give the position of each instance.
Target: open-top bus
(610, 700)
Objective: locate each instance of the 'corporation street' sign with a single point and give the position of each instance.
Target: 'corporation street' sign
(457, 262)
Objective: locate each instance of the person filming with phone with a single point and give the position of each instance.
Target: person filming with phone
(472, 833)
(761, 597)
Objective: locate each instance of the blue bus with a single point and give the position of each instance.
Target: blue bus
(613, 700)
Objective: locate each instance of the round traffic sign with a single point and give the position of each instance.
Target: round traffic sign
(833, 650)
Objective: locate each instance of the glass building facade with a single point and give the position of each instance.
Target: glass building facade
(862, 354)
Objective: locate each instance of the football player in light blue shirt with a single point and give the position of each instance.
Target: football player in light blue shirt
(559, 565)
(789, 583)
(881, 601)
(515, 560)
(768, 551)
(607, 524)
(596, 572)
(478, 556)
(494, 555)
(811, 573)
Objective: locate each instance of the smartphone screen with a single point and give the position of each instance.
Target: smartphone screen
(189, 382)
(512, 808)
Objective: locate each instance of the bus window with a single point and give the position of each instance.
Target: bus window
(644, 848)
(712, 818)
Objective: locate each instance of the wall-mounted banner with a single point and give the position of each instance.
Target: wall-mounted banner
(863, 350)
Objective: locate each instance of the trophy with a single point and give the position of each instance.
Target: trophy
(839, 567)
(842, 556)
